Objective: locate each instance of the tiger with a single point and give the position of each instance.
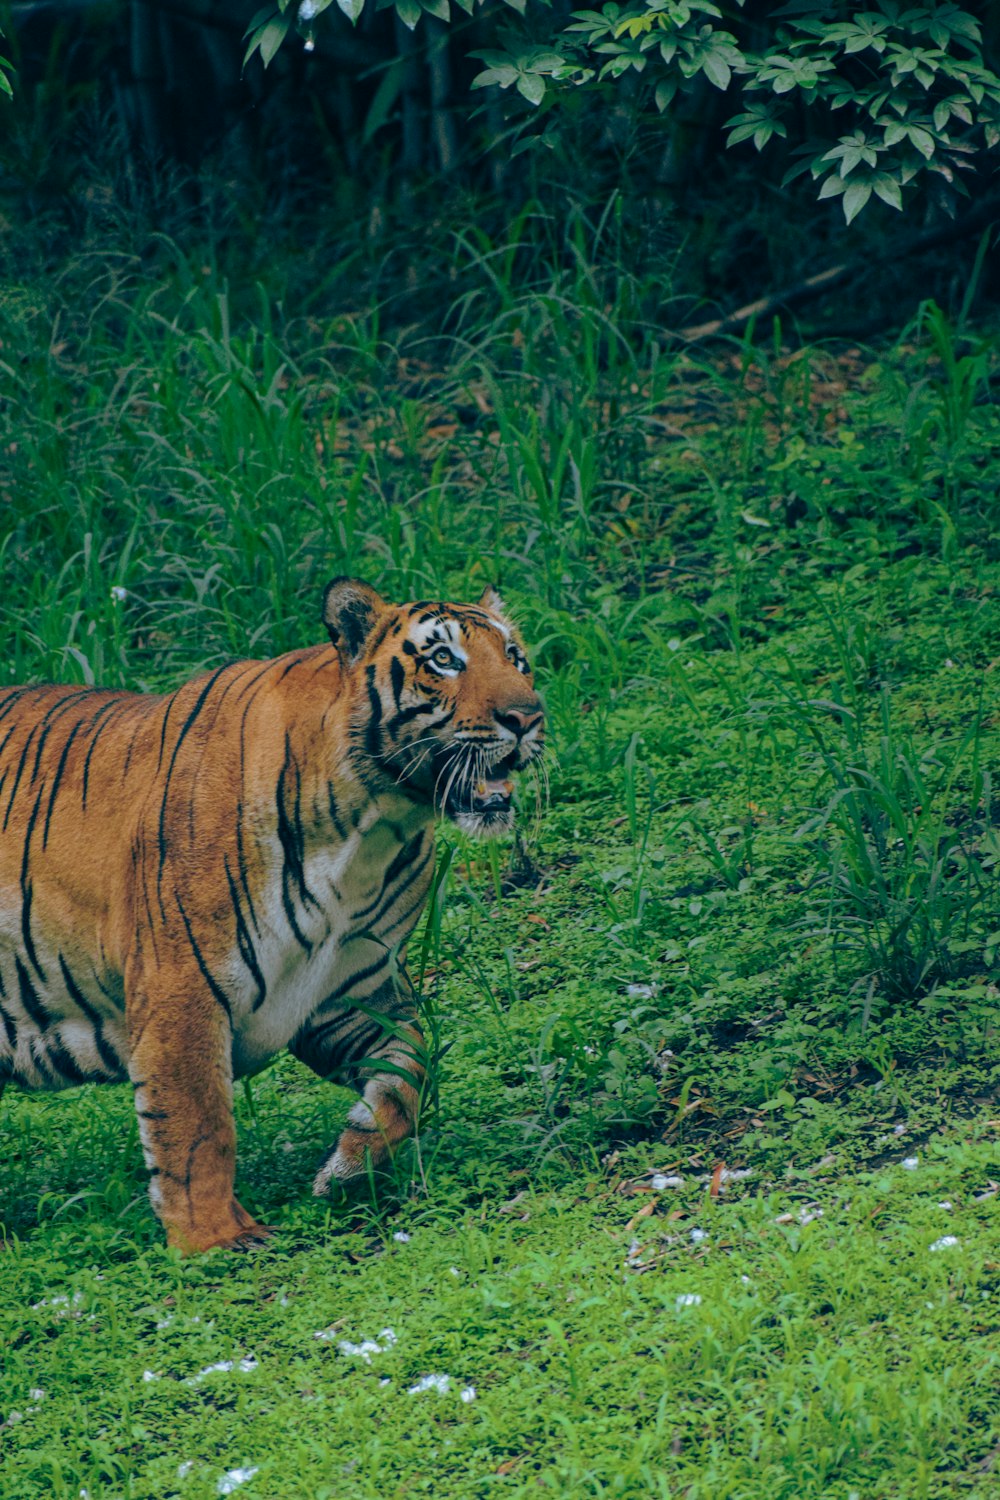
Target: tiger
(192, 882)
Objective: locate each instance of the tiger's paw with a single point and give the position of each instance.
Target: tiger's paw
(234, 1231)
(352, 1166)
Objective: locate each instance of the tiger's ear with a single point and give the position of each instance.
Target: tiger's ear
(350, 609)
(490, 600)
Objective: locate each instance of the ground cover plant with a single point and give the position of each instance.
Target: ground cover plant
(705, 1199)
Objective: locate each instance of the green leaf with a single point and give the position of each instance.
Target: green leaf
(531, 87)
(503, 77)
(385, 97)
(439, 9)
(271, 37)
(666, 90)
(716, 70)
(922, 139)
(352, 9)
(855, 198)
(409, 12)
(887, 188)
(832, 187)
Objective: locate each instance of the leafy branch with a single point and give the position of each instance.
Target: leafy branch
(896, 93)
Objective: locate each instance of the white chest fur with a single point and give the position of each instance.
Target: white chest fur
(326, 928)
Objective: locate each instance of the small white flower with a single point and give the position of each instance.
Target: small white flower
(697, 1235)
(746, 1280)
(641, 991)
(118, 594)
(223, 1367)
(688, 1299)
(149, 1375)
(468, 1393)
(385, 1380)
(233, 1478)
(899, 1130)
(185, 1468)
(438, 1383)
(660, 1182)
(401, 1237)
(910, 1163)
(308, 10)
(366, 1348)
(36, 1393)
(945, 1242)
(454, 1271)
(309, 45)
(946, 1203)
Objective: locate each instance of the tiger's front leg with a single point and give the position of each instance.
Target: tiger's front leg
(180, 1063)
(379, 1050)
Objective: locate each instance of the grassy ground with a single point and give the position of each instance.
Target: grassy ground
(705, 1201)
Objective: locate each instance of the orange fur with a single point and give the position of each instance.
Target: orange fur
(190, 883)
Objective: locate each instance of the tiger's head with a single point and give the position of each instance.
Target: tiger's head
(444, 706)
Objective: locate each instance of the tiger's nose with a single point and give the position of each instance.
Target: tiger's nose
(519, 718)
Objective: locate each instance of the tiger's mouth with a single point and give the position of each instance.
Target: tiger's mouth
(479, 801)
(486, 797)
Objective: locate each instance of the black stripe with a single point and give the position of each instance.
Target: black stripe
(105, 1052)
(397, 677)
(402, 889)
(247, 951)
(98, 727)
(30, 999)
(48, 719)
(406, 715)
(57, 778)
(185, 730)
(59, 1057)
(254, 679)
(241, 864)
(334, 815)
(8, 704)
(348, 984)
(345, 1036)
(27, 890)
(213, 984)
(402, 861)
(289, 667)
(406, 915)
(10, 1028)
(128, 753)
(20, 772)
(292, 840)
(17, 724)
(373, 737)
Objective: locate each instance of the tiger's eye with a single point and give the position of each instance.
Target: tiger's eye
(442, 657)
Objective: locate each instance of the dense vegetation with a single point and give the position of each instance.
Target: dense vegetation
(704, 1204)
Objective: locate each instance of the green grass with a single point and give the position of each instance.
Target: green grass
(757, 923)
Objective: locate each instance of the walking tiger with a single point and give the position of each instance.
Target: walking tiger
(190, 883)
